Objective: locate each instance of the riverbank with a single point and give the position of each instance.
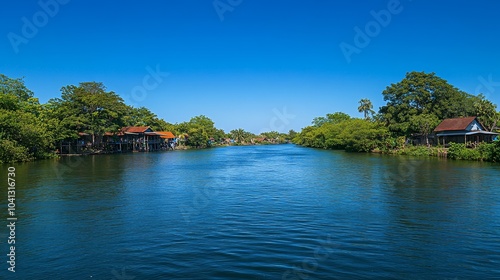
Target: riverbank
(488, 152)
(419, 151)
(481, 152)
(177, 148)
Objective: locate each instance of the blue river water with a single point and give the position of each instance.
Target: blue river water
(254, 212)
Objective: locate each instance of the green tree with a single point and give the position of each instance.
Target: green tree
(358, 135)
(336, 117)
(89, 108)
(198, 138)
(365, 107)
(23, 134)
(238, 135)
(199, 130)
(219, 135)
(422, 93)
(319, 121)
(486, 112)
(424, 124)
(203, 122)
(271, 134)
(142, 116)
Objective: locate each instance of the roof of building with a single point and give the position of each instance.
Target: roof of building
(454, 124)
(454, 133)
(135, 129)
(166, 134)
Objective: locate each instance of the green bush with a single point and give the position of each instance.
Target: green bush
(10, 151)
(486, 150)
(460, 151)
(483, 152)
(495, 151)
(353, 135)
(418, 151)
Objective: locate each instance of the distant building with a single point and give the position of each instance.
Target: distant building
(167, 140)
(462, 130)
(127, 139)
(166, 134)
(135, 139)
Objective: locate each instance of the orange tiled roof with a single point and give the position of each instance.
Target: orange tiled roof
(454, 124)
(166, 134)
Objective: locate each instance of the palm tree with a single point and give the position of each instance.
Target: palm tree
(365, 106)
(238, 135)
(182, 138)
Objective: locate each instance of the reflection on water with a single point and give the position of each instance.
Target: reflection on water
(257, 212)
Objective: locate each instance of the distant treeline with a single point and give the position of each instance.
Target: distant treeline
(30, 130)
(415, 106)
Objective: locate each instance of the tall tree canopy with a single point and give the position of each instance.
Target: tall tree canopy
(88, 108)
(486, 112)
(23, 134)
(240, 135)
(199, 130)
(30, 130)
(423, 93)
(334, 118)
(142, 116)
(359, 135)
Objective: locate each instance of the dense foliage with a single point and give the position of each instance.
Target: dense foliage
(199, 132)
(357, 135)
(421, 100)
(415, 106)
(483, 152)
(30, 130)
(23, 132)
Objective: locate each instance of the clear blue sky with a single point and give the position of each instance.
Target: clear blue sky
(242, 67)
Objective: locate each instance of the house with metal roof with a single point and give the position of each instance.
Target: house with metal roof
(126, 139)
(462, 130)
(133, 138)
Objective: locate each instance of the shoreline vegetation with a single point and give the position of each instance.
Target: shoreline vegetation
(177, 148)
(404, 126)
(90, 114)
